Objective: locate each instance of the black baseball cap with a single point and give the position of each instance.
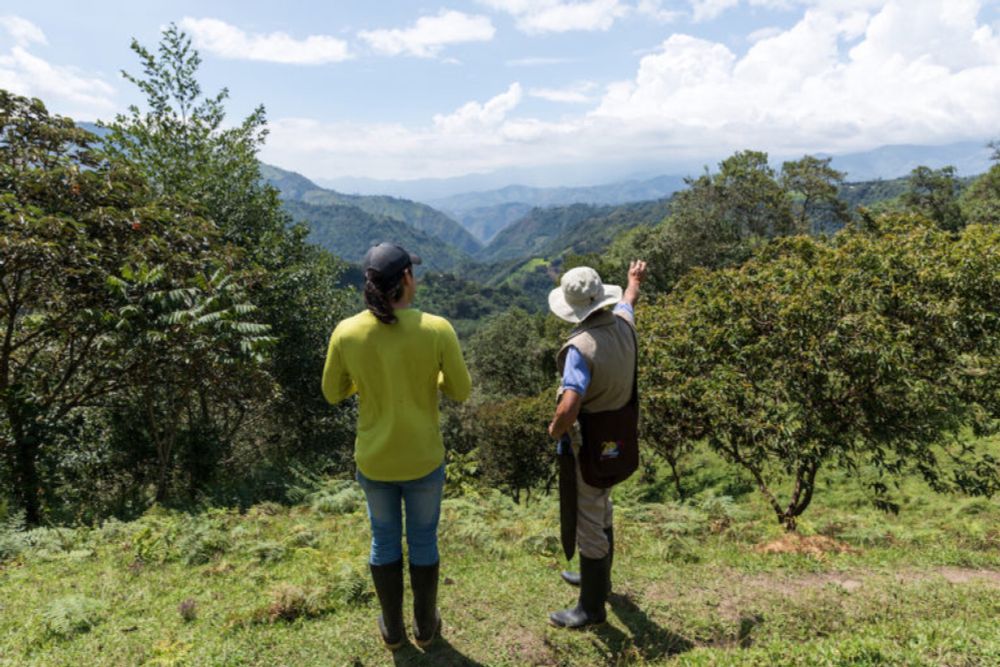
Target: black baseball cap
(389, 258)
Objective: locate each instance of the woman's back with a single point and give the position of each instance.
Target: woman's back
(397, 370)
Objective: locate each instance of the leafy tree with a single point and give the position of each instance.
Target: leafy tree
(194, 350)
(934, 193)
(980, 203)
(181, 144)
(873, 350)
(510, 356)
(716, 221)
(181, 140)
(515, 452)
(815, 188)
(72, 218)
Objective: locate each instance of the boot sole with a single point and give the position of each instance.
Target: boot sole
(589, 624)
(392, 646)
(424, 643)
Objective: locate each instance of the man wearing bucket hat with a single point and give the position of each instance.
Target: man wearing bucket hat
(598, 368)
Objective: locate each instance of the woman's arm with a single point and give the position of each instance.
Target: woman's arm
(454, 381)
(337, 383)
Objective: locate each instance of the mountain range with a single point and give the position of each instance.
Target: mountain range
(885, 162)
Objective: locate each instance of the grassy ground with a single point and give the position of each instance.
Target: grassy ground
(693, 585)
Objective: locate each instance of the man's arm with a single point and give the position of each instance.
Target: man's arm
(636, 274)
(566, 413)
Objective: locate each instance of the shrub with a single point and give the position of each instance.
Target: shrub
(353, 587)
(12, 541)
(201, 545)
(188, 609)
(268, 552)
(289, 602)
(348, 499)
(71, 615)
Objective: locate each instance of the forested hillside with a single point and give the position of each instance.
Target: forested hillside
(295, 187)
(348, 232)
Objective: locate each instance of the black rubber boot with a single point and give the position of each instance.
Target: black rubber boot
(573, 578)
(426, 619)
(389, 588)
(590, 609)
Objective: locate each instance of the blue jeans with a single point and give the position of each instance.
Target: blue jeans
(423, 509)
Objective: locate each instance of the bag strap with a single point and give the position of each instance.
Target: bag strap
(635, 373)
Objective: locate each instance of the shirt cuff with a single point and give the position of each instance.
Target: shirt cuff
(578, 389)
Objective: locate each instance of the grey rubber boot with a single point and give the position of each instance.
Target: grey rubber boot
(589, 609)
(573, 578)
(388, 581)
(426, 618)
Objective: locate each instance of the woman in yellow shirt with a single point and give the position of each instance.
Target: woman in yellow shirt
(397, 359)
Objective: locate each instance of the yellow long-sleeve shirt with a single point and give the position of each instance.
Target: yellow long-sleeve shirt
(396, 369)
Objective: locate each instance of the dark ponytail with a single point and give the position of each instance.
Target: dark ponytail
(381, 291)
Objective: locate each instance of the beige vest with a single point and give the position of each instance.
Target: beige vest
(607, 344)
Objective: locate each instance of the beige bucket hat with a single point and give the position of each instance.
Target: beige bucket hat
(581, 293)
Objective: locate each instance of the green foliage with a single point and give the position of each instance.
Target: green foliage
(70, 221)
(268, 551)
(71, 615)
(815, 188)
(348, 232)
(228, 306)
(980, 202)
(510, 356)
(578, 228)
(934, 193)
(515, 452)
(866, 351)
(12, 538)
(419, 216)
(465, 303)
(719, 219)
(201, 544)
(289, 602)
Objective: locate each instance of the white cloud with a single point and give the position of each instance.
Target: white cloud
(65, 90)
(578, 93)
(838, 80)
(920, 71)
(22, 31)
(706, 10)
(763, 33)
(541, 16)
(475, 116)
(228, 41)
(430, 34)
(654, 10)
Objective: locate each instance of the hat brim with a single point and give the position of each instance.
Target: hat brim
(563, 310)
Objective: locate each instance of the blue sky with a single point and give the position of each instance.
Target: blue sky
(400, 90)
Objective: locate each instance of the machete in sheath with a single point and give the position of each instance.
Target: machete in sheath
(567, 496)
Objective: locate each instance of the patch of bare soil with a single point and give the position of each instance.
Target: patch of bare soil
(810, 545)
(530, 648)
(953, 575)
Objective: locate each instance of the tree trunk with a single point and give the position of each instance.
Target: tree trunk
(26, 483)
(675, 473)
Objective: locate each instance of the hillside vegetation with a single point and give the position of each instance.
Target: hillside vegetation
(420, 216)
(349, 232)
(707, 581)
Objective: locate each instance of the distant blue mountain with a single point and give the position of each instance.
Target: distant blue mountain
(887, 162)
